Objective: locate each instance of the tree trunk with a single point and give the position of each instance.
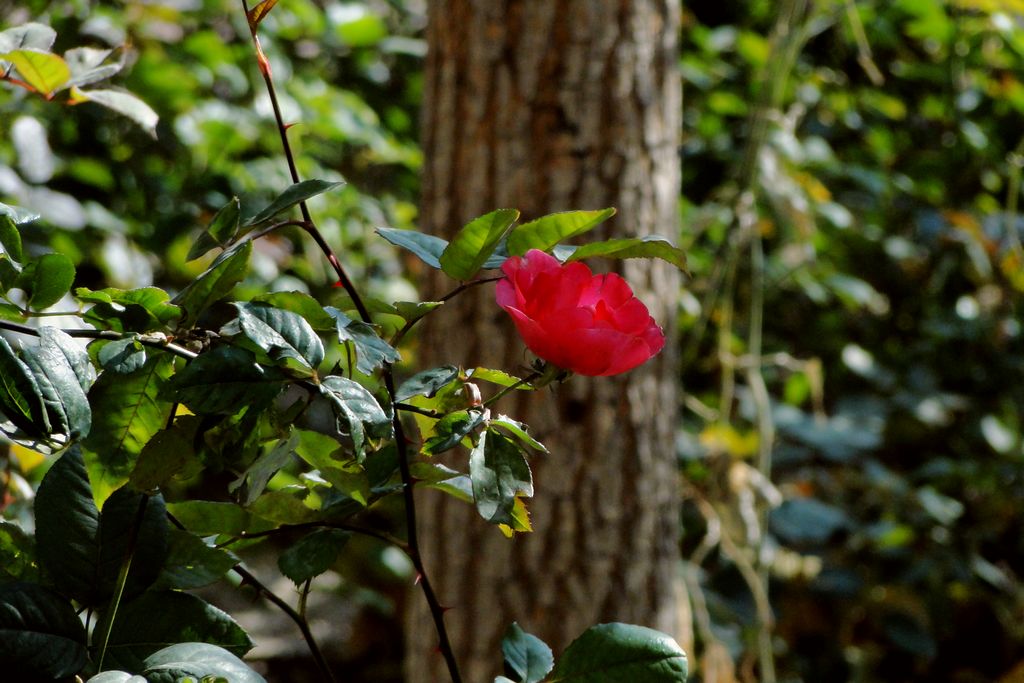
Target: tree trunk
(551, 105)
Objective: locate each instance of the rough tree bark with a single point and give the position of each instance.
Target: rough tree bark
(549, 105)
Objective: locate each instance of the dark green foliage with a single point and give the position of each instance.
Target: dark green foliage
(313, 554)
(41, 638)
(159, 619)
(608, 653)
(81, 549)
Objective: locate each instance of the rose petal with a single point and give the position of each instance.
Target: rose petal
(610, 288)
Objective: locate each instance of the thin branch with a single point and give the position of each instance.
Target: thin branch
(397, 338)
(512, 387)
(282, 130)
(300, 621)
(152, 341)
(410, 408)
(436, 610)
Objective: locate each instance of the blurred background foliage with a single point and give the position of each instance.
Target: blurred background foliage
(850, 445)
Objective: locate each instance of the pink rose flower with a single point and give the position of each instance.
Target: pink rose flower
(589, 324)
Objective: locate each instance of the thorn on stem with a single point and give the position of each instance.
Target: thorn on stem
(419, 577)
(264, 64)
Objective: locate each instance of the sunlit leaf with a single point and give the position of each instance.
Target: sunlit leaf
(47, 279)
(259, 11)
(44, 71)
(427, 247)
(215, 283)
(128, 412)
(547, 231)
(475, 242)
(10, 238)
(30, 35)
(221, 232)
(371, 351)
(280, 334)
(299, 192)
(499, 472)
(123, 103)
(632, 247)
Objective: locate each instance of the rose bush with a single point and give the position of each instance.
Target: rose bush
(589, 324)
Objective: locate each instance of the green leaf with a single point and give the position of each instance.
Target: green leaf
(280, 334)
(426, 383)
(652, 246)
(259, 473)
(609, 653)
(498, 377)
(259, 12)
(44, 71)
(58, 382)
(302, 304)
(427, 247)
(120, 514)
(9, 274)
(220, 278)
(355, 409)
(123, 103)
(223, 381)
(312, 554)
(122, 356)
(32, 35)
(198, 661)
(475, 243)
(371, 351)
(345, 475)
(547, 231)
(499, 473)
(17, 554)
(451, 429)
(519, 431)
(412, 311)
(116, 677)
(221, 232)
(20, 398)
(299, 192)
(41, 638)
(18, 214)
(145, 309)
(128, 413)
(527, 657)
(191, 563)
(67, 528)
(10, 238)
(285, 506)
(82, 549)
(87, 65)
(205, 518)
(164, 456)
(47, 279)
(158, 619)
(459, 486)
